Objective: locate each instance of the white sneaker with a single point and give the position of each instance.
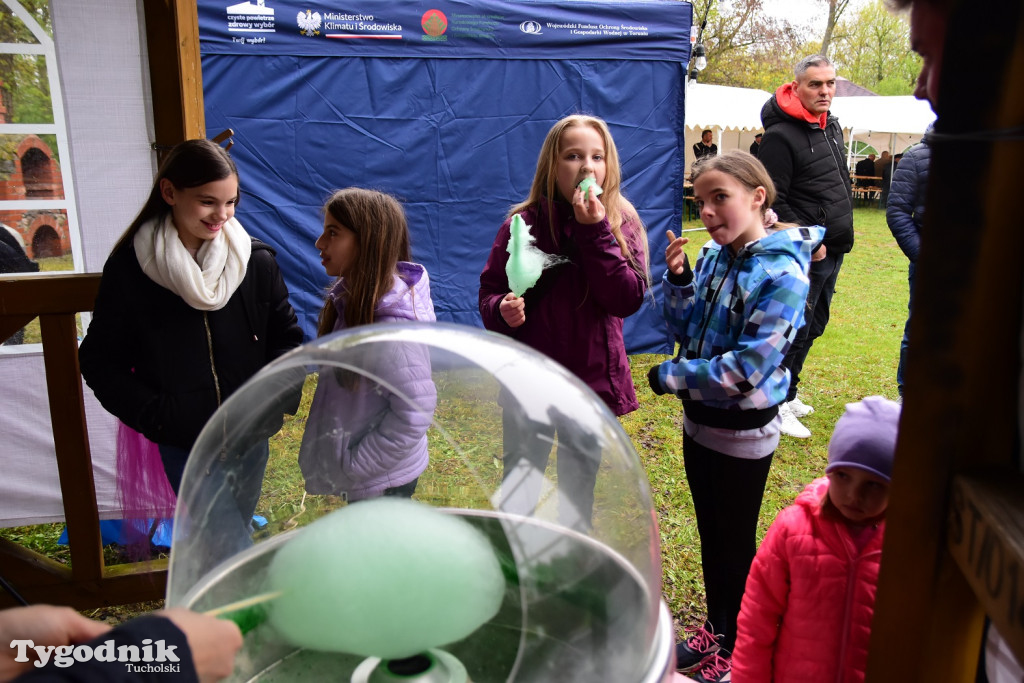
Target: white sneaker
(790, 424)
(799, 408)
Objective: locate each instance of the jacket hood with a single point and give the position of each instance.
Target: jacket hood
(408, 299)
(797, 243)
(812, 495)
(774, 112)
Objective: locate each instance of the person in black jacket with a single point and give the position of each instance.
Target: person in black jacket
(194, 647)
(802, 149)
(189, 308)
(755, 146)
(704, 148)
(13, 259)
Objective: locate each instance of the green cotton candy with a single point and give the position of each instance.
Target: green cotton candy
(525, 261)
(589, 183)
(385, 578)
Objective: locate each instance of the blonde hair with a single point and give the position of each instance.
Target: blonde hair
(617, 207)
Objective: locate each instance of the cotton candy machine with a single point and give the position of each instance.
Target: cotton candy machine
(574, 544)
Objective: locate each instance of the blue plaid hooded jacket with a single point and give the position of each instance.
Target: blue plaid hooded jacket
(736, 318)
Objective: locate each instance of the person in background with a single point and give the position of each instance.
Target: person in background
(887, 177)
(882, 162)
(205, 646)
(704, 148)
(804, 153)
(904, 214)
(865, 167)
(734, 315)
(810, 595)
(14, 259)
(756, 144)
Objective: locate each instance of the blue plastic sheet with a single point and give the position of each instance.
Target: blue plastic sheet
(452, 127)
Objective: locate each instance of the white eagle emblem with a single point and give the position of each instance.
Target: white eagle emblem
(309, 22)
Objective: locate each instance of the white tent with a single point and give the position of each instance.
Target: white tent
(733, 114)
(886, 123)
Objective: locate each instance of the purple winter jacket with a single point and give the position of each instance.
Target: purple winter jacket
(361, 440)
(574, 313)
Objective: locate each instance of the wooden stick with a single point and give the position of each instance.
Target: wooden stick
(242, 604)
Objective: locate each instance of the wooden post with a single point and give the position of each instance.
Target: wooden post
(172, 32)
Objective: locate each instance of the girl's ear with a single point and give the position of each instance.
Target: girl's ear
(167, 191)
(759, 196)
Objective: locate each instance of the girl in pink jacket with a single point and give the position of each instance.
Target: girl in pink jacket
(810, 595)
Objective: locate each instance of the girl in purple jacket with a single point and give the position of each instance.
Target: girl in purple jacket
(574, 311)
(366, 434)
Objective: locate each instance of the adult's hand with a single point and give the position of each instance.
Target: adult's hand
(819, 254)
(43, 625)
(513, 310)
(213, 642)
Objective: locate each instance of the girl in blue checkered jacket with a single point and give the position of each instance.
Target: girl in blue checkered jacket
(735, 314)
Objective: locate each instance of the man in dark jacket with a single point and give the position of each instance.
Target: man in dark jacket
(802, 149)
(905, 215)
(756, 144)
(865, 167)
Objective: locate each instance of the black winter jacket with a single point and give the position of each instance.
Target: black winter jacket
(808, 166)
(163, 367)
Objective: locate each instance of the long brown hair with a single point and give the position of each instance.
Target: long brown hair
(382, 236)
(616, 205)
(190, 164)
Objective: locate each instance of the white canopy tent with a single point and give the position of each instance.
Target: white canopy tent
(886, 123)
(733, 114)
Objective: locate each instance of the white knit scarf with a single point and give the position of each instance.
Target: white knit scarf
(206, 282)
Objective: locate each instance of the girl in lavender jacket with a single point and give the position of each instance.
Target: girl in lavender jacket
(368, 437)
(574, 312)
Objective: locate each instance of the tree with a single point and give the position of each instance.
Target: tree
(745, 47)
(24, 82)
(874, 51)
(836, 8)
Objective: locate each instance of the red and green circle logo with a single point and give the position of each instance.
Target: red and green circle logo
(434, 22)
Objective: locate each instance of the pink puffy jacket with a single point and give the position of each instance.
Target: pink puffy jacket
(810, 596)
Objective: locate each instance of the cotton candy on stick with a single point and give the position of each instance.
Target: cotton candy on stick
(385, 578)
(525, 261)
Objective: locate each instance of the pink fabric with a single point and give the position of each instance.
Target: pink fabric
(142, 488)
(809, 599)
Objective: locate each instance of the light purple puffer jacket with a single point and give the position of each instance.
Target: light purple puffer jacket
(364, 439)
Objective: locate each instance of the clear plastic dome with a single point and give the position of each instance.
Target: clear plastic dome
(480, 427)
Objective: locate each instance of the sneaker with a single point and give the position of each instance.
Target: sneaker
(698, 644)
(790, 424)
(799, 408)
(716, 668)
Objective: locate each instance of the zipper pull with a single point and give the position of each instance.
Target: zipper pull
(255, 338)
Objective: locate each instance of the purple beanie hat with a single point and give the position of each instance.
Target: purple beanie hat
(865, 437)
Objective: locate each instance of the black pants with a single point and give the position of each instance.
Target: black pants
(727, 495)
(823, 275)
(527, 447)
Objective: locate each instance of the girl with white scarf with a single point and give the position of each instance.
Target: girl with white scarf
(189, 307)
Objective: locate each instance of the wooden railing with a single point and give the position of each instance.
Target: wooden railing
(87, 582)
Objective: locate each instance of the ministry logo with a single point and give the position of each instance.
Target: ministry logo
(532, 27)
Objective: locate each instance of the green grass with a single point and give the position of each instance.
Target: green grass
(856, 357)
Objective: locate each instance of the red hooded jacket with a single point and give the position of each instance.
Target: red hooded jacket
(809, 600)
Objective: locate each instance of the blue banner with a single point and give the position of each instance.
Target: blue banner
(454, 138)
(488, 29)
